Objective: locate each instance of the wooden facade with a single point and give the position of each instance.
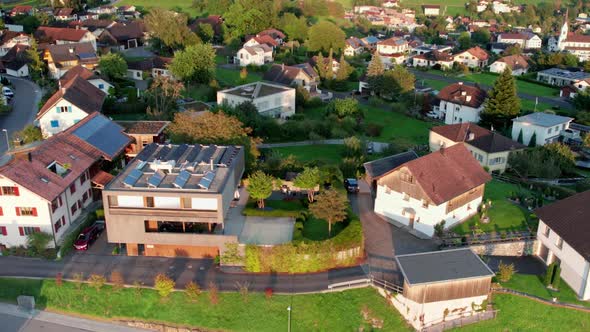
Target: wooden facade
(162, 250)
(465, 198)
(444, 291)
(403, 181)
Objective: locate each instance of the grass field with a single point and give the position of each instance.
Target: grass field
(317, 312)
(231, 77)
(451, 7)
(330, 154)
(504, 216)
(398, 126)
(178, 5)
(533, 284)
(317, 229)
(522, 86)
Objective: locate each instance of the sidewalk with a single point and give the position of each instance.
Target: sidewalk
(14, 320)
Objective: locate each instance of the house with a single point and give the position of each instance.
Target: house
(103, 10)
(420, 48)
(275, 34)
(517, 63)
(377, 168)
(297, 75)
(415, 194)
(370, 43)
(90, 76)
(441, 286)
(576, 44)
(16, 61)
(72, 102)
(561, 77)
(335, 64)
(61, 58)
(475, 57)
(393, 51)
(8, 39)
(441, 60)
(124, 35)
(563, 235)
(526, 40)
(151, 67)
(489, 148)
(570, 91)
(92, 25)
(431, 10)
(546, 128)
(460, 103)
(47, 184)
(262, 40)
(22, 10)
(499, 48)
(390, 4)
(61, 36)
(65, 14)
(83, 16)
(172, 200)
(354, 46)
(254, 55)
(144, 133)
(272, 100)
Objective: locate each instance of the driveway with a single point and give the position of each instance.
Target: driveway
(383, 240)
(27, 96)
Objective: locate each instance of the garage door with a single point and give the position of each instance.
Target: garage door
(180, 251)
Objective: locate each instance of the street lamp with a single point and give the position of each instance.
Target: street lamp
(7, 141)
(289, 326)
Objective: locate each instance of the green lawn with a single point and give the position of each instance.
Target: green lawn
(198, 92)
(7, 5)
(231, 77)
(316, 312)
(504, 215)
(275, 208)
(533, 284)
(434, 84)
(522, 86)
(327, 153)
(526, 104)
(317, 229)
(449, 7)
(182, 5)
(398, 126)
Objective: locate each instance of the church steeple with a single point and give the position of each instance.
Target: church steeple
(563, 33)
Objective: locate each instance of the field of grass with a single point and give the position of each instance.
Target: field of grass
(317, 312)
(451, 7)
(275, 208)
(533, 284)
(504, 215)
(329, 154)
(231, 77)
(178, 5)
(522, 86)
(317, 229)
(434, 84)
(398, 126)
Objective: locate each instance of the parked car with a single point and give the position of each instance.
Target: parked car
(351, 185)
(7, 92)
(88, 236)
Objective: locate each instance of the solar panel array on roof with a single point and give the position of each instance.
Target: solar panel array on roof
(162, 153)
(141, 165)
(192, 155)
(207, 153)
(156, 179)
(132, 178)
(206, 180)
(103, 134)
(87, 55)
(147, 151)
(181, 179)
(228, 155)
(177, 152)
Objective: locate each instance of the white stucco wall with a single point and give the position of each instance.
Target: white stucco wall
(544, 134)
(455, 113)
(65, 120)
(283, 100)
(21, 72)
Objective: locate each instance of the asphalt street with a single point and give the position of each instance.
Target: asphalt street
(25, 105)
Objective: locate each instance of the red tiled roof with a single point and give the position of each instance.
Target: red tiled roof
(51, 34)
(21, 9)
(102, 178)
(458, 93)
(125, 31)
(577, 38)
(477, 52)
(64, 11)
(447, 173)
(266, 39)
(274, 33)
(80, 93)
(516, 61)
(460, 132)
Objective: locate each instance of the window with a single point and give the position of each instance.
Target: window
(73, 188)
(547, 231)
(101, 86)
(26, 211)
(57, 226)
(406, 177)
(559, 243)
(73, 208)
(54, 123)
(64, 109)
(549, 130)
(406, 197)
(149, 202)
(3, 231)
(79, 204)
(24, 231)
(10, 191)
(144, 142)
(425, 204)
(85, 197)
(83, 178)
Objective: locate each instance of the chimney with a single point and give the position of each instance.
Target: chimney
(468, 98)
(470, 137)
(460, 83)
(463, 93)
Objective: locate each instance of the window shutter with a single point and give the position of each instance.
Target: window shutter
(16, 191)
(70, 109)
(3, 229)
(21, 231)
(34, 212)
(37, 229)
(17, 211)
(1, 212)
(57, 109)
(59, 199)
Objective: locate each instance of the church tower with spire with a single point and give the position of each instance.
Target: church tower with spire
(563, 33)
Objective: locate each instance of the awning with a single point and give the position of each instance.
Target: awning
(100, 179)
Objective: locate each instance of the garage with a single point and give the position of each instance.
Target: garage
(163, 250)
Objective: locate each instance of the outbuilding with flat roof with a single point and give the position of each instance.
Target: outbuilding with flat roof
(544, 128)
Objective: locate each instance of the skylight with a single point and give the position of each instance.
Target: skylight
(59, 169)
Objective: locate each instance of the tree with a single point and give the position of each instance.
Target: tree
(162, 96)
(481, 36)
(375, 72)
(294, 27)
(502, 104)
(563, 154)
(196, 63)
(113, 66)
(164, 285)
(170, 29)
(38, 241)
(345, 107)
(505, 271)
(320, 66)
(205, 32)
(192, 291)
(464, 41)
(308, 179)
(332, 206)
(344, 70)
(260, 187)
(403, 79)
(325, 36)
(246, 17)
(29, 134)
(513, 50)
(520, 138)
(533, 140)
(36, 64)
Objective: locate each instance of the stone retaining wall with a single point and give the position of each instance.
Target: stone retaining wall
(511, 248)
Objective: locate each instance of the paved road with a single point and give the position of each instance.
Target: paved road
(557, 101)
(25, 106)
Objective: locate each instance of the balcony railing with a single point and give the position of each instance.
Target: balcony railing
(157, 212)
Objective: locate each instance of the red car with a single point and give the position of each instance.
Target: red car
(87, 236)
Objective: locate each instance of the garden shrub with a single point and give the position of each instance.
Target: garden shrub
(373, 129)
(505, 271)
(231, 255)
(164, 285)
(253, 258)
(38, 242)
(549, 274)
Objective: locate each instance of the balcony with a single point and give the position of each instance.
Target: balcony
(160, 212)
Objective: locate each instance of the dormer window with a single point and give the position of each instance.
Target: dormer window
(59, 169)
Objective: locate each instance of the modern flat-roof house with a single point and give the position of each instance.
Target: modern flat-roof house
(442, 286)
(144, 133)
(272, 100)
(172, 200)
(517, 63)
(489, 148)
(460, 103)
(564, 228)
(561, 77)
(46, 184)
(546, 128)
(446, 185)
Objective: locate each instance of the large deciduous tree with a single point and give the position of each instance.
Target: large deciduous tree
(325, 36)
(260, 187)
(295, 27)
(331, 206)
(502, 103)
(162, 96)
(309, 179)
(250, 17)
(196, 63)
(170, 29)
(113, 66)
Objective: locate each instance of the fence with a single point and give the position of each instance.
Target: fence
(461, 321)
(542, 300)
(450, 242)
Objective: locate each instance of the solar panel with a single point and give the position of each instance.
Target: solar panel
(228, 154)
(206, 155)
(182, 179)
(177, 152)
(87, 55)
(141, 164)
(156, 179)
(206, 180)
(132, 178)
(103, 134)
(162, 153)
(192, 155)
(147, 152)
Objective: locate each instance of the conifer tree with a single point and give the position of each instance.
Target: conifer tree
(320, 66)
(375, 72)
(533, 141)
(520, 139)
(502, 103)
